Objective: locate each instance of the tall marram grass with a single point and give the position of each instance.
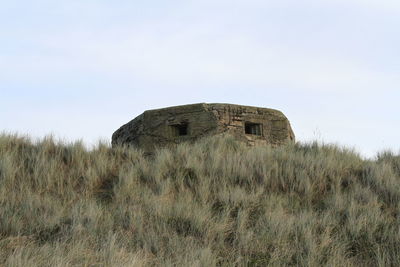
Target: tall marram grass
(212, 203)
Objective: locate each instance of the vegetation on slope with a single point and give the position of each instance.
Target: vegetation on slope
(212, 203)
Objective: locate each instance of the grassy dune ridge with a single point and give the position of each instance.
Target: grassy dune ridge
(212, 203)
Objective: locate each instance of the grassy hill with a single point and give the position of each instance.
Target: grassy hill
(213, 203)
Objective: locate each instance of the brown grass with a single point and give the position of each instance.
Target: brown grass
(213, 203)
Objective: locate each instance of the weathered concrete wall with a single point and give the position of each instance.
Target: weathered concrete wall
(276, 128)
(156, 127)
(167, 126)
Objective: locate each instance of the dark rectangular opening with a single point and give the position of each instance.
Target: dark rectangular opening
(253, 128)
(180, 129)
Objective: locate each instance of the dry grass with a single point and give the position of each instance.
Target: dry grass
(213, 203)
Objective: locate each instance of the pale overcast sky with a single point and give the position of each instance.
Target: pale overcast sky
(80, 69)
